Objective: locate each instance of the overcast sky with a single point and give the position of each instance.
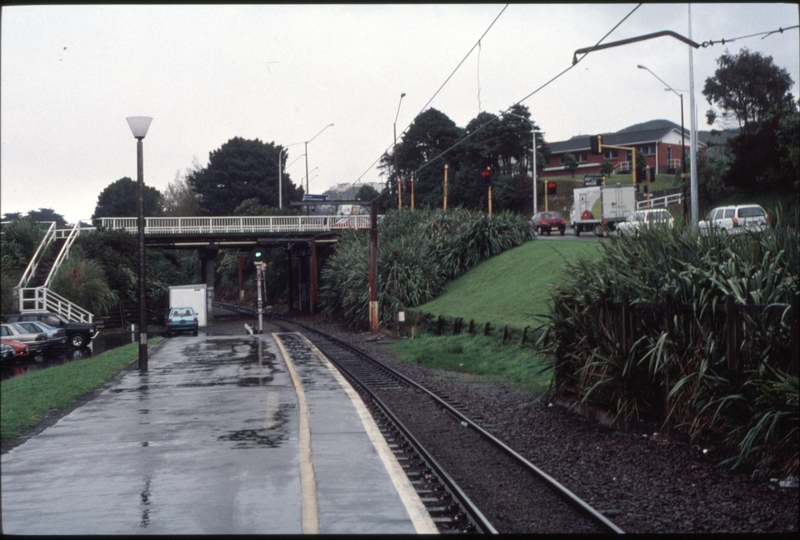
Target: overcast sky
(206, 74)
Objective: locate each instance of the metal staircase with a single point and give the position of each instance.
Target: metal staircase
(41, 298)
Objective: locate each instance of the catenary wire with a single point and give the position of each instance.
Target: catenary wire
(477, 44)
(429, 162)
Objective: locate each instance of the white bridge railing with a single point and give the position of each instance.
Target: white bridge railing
(237, 224)
(660, 202)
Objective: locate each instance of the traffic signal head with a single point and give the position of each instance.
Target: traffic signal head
(596, 144)
(552, 188)
(486, 176)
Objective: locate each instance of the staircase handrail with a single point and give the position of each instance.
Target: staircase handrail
(46, 300)
(36, 259)
(64, 253)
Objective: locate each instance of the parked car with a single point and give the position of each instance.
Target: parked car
(735, 219)
(19, 349)
(56, 337)
(79, 334)
(645, 219)
(36, 341)
(6, 351)
(547, 222)
(182, 319)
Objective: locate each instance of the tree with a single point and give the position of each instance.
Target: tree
(242, 169)
(606, 168)
(121, 199)
(570, 163)
(746, 86)
(179, 199)
(366, 193)
(431, 133)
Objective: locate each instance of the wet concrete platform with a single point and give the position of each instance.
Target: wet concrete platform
(223, 435)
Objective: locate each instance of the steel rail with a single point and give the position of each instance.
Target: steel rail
(559, 488)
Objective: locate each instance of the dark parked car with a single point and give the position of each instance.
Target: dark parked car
(79, 334)
(182, 319)
(545, 222)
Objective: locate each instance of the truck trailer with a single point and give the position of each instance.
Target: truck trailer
(600, 208)
(193, 296)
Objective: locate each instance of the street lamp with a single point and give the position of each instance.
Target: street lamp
(396, 173)
(139, 126)
(306, 143)
(280, 173)
(683, 140)
(533, 134)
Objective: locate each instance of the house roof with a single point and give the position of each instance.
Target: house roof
(649, 132)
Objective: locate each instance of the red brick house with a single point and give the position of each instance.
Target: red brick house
(659, 140)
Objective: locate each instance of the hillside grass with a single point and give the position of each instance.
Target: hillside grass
(25, 400)
(512, 288)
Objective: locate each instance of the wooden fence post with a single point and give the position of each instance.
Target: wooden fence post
(487, 328)
(471, 329)
(626, 325)
(524, 335)
(505, 333)
(439, 324)
(795, 359)
(457, 322)
(731, 334)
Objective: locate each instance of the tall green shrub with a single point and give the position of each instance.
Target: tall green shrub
(432, 247)
(676, 371)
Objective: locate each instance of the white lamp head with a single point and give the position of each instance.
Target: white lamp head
(139, 125)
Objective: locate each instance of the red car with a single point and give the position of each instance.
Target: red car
(544, 222)
(20, 349)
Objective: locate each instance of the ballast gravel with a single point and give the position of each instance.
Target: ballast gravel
(643, 482)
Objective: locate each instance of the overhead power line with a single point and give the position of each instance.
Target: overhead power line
(477, 44)
(461, 141)
(723, 41)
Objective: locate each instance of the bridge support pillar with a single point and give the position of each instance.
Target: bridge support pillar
(207, 256)
(314, 278)
(290, 278)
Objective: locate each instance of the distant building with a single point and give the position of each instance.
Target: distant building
(659, 140)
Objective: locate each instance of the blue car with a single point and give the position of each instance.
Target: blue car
(182, 319)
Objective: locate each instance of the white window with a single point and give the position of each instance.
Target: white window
(610, 154)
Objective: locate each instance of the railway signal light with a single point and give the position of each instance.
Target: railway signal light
(486, 176)
(258, 254)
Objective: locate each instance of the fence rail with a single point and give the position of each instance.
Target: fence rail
(660, 202)
(43, 299)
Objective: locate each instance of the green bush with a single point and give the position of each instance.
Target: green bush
(432, 246)
(676, 371)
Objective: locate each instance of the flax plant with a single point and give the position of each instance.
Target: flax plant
(432, 247)
(676, 371)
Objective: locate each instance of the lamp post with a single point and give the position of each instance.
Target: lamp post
(683, 140)
(280, 172)
(139, 126)
(396, 172)
(533, 135)
(306, 143)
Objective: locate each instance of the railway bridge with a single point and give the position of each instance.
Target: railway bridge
(300, 236)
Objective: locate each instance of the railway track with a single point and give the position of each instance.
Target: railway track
(440, 443)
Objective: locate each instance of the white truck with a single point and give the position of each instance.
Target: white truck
(193, 296)
(600, 208)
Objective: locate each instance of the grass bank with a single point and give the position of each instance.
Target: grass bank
(25, 400)
(513, 289)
